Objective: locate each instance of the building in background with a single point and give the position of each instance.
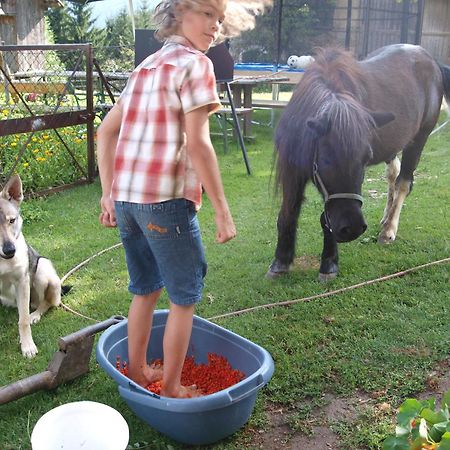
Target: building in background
(22, 22)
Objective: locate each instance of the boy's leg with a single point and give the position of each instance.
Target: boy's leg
(175, 345)
(140, 318)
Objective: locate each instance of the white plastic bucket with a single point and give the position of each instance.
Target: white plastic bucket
(81, 426)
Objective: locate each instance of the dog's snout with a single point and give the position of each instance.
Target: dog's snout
(8, 250)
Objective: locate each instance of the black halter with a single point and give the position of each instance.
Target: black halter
(317, 180)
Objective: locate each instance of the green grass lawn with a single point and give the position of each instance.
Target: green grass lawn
(385, 338)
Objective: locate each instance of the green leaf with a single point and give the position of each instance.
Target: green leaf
(433, 417)
(437, 430)
(446, 400)
(402, 431)
(445, 442)
(409, 409)
(396, 443)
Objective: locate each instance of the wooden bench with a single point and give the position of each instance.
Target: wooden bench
(33, 87)
(270, 104)
(263, 103)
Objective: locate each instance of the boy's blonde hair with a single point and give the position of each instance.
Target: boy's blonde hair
(239, 15)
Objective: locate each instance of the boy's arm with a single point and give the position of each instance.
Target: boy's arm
(107, 135)
(203, 157)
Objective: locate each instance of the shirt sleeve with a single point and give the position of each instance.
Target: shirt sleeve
(199, 86)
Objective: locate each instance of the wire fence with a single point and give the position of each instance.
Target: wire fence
(47, 115)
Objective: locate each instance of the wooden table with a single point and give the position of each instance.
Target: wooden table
(242, 89)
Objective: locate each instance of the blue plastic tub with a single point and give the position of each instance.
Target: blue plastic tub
(195, 421)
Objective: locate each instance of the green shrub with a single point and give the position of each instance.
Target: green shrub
(421, 426)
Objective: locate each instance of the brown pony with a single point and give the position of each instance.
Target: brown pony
(343, 116)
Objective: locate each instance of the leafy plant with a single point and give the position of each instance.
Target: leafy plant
(421, 426)
(45, 162)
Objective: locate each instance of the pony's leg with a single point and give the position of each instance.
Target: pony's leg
(390, 226)
(287, 232)
(329, 260)
(403, 186)
(392, 171)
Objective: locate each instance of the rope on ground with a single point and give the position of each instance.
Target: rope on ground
(83, 263)
(330, 293)
(79, 266)
(267, 305)
(76, 313)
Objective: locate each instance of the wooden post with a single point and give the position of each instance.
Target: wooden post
(405, 20)
(348, 26)
(90, 110)
(419, 22)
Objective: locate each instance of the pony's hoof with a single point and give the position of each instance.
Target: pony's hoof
(386, 238)
(276, 270)
(326, 277)
(270, 275)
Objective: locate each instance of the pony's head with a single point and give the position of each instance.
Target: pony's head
(342, 151)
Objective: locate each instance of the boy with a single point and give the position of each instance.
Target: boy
(154, 150)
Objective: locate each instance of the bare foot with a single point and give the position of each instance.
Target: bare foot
(148, 374)
(183, 392)
(153, 372)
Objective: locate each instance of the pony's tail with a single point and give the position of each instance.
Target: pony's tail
(445, 70)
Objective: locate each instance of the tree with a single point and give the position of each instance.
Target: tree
(304, 25)
(118, 50)
(74, 24)
(144, 16)
(113, 45)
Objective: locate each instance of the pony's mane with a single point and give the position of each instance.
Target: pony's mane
(332, 85)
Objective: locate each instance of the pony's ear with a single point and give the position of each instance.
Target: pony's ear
(382, 118)
(320, 126)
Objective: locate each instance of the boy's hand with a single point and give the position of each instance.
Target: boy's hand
(108, 215)
(226, 229)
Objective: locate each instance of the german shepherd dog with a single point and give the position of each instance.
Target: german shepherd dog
(26, 278)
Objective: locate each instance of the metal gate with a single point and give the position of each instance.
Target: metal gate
(47, 115)
(375, 23)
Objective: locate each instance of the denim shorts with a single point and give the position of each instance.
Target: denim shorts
(163, 248)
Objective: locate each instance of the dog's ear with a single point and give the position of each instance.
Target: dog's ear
(13, 190)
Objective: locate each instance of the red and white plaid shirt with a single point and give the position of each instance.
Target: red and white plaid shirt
(151, 162)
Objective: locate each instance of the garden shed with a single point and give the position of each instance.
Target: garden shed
(22, 21)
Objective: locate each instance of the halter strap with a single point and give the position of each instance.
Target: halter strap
(317, 180)
(347, 195)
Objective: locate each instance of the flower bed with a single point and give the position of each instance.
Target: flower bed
(45, 162)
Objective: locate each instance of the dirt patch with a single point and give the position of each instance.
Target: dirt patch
(318, 434)
(438, 382)
(322, 438)
(306, 262)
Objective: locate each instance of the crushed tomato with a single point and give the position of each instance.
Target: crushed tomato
(215, 375)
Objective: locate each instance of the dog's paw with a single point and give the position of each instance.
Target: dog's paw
(29, 350)
(35, 317)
